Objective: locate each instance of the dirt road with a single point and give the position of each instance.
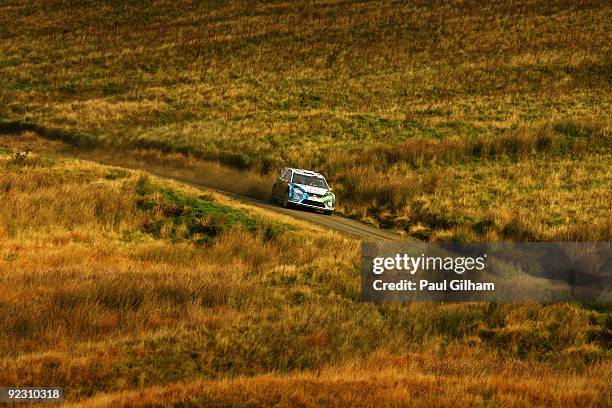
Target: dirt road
(345, 225)
(243, 186)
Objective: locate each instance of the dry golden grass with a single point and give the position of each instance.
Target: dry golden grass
(412, 380)
(449, 120)
(258, 310)
(378, 95)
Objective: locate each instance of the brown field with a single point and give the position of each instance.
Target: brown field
(126, 290)
(407, 380)
(462, 120)
(446, 120)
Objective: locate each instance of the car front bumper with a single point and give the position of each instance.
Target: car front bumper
(311, 204)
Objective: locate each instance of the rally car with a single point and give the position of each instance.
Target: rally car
(303, 188)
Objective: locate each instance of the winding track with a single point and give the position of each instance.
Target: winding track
(341, 224)
(241, 186)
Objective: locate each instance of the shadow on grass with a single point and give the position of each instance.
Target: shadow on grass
(84, 141)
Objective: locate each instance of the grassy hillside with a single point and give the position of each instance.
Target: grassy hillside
(449, 120)
(127, 290)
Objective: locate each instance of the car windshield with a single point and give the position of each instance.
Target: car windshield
(309, 181)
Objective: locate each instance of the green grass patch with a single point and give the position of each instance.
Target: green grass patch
(178, 216)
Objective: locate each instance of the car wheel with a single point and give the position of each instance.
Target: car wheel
(327, 212)
(272, 196)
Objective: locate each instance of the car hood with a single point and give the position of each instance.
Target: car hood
(311, 189)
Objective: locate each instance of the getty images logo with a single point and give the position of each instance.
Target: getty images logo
(412, 264)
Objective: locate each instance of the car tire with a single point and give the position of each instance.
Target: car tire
(272, 196)
(327, 212)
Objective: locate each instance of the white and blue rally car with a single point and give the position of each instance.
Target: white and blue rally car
(303, 188)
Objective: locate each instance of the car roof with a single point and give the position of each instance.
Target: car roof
(305, 172)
